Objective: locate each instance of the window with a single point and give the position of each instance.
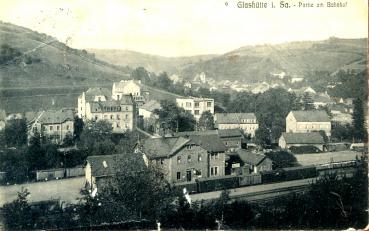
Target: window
(51, 128)
(126, 108)
(99, 98)
(118, 117)
(118, 96)
(197, 104)
(189, 147)
(96, 117)
(226, 143)
(214, 171)
(178, 159)
(188, 104)
(189, 158)
(198, 172)
(126, 116)
(126, 125)
(111, 117)
(199, 157)
(178, 175)
(57, 128)
(118, 125)
(197, 112)
(208, 104)
(119, 108)
(161, 161)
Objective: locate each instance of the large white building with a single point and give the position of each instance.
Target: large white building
(196, 106)
(97, 104)
(308, 121)
(245, 121)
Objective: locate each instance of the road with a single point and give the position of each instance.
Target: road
(67, 190)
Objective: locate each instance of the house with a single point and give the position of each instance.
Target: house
(128, 87)
(308, 121)
(2, 119)
(321, 100)
(120, 113)
(260, 88)
(95, 94)
(185, 159)
(196, 106)
(245, 121)
(148, 119)
(187, 84)
(296, 79)
(288, 140)
(98, 104)
(302, 91)
(100, 170)
(53, 125)
(242, 162)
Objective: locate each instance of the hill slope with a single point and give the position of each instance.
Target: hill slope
(28, 59)
(255, 63)
(154, 63)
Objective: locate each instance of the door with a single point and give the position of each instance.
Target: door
(189, 178)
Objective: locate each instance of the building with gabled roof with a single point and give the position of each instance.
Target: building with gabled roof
(185, 159)
(94, 94)
(128, 87)
(245, 121)
(51, 124)
(244, 162)
(288, 140)
(99, 170)
(196, 106)
(308, 121)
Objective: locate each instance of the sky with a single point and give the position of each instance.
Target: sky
(182, 27)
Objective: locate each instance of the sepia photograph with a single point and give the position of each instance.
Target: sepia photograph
(184, 115)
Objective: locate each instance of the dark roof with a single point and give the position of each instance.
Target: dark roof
(230, 133)
(196, 133)
(50, 116)
(211, 143)
(109, 165)
(163, 146)
(94, 91)
(151, 105)
(234, 118)
(311, 116)
(303, 138)
(99, 106)
(249, 157)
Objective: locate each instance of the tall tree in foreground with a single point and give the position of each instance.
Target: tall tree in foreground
(206, 121)
(358, 120)
(16, 132)
(308, 102)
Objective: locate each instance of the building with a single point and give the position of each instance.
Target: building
(196, 106)
(245, 121)
(95, 94)
(120, 113)
(308, 121)
(288, 140)
(100, 170)
(98, 104)
(128, 87)
(185, 159)
(52, 125)
(242, 162)
(149, 120)
(2, 119)
(321, 100)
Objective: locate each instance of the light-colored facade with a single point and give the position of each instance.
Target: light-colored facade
(91, 95)
(128, 87)
(288, 140)
(196, 106)
(52, 125)
(308, 121)
(181, 159)
(245, 121)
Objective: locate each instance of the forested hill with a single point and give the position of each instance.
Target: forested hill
(256, 63)
(32, 59)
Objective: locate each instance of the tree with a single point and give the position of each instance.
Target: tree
(140, 73)
(35, 154)
(175, 118)
(282, 159)
(206, 121)
(358, 120)
(78, 127)
(164, 82)
(308, 102)
(16, 132)
(262, 136)
(17, 214)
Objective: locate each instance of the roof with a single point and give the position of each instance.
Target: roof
(50, 116)
(234, 118)
(211, 142)
(250, 157)
(111, 104)
(311, 116)
(105, 165)
(163, 146)
(151, 105)
(94, 91)
(230, 133)
(322, 98)
(124, 83)
(303, 138)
